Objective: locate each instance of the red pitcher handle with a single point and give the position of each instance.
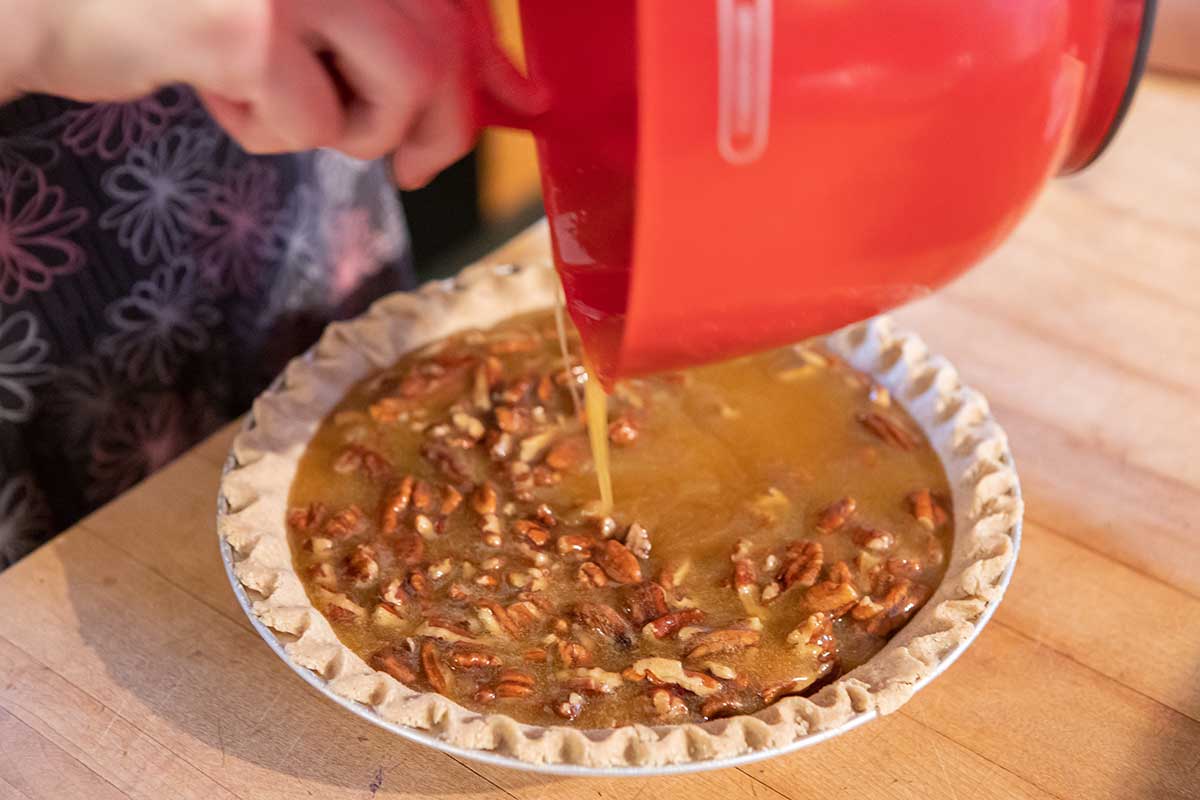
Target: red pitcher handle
(504, 97)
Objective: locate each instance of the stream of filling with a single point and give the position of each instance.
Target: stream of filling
(772, 521)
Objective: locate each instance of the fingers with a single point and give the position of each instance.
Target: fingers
(497, 75)
(290, 104)
(389, 65)
(441, 136)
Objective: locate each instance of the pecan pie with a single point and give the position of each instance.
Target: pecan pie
(777, 518)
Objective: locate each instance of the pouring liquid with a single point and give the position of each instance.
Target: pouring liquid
(595, 409)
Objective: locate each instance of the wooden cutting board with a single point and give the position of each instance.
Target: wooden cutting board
(128, 670)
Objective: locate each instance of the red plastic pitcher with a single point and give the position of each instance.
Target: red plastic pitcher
(723, 176)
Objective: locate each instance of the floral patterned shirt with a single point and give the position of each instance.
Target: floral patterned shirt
(153, 278)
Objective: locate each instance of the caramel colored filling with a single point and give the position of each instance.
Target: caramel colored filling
(777, 518)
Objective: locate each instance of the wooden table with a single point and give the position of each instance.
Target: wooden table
(127, 669)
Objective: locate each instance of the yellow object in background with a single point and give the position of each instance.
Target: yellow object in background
(508, 173)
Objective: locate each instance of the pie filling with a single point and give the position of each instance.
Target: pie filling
(777, 518)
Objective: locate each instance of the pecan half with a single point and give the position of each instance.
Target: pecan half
(724, 704)
(729, 640)
(668, 670)
(834, 516)
(875, 539)
(431, 665)
(889, 429)
(637, 539)
(618, 562)
(567, 453)
(602, 619)
(346, 523)
(779, 689)
(396, 504)
(644, 602)
(305, 518)
(902, 600)
(534, 533)
(361, 564)
(590, 574)
(592, 680)
(668, 624)
(423, 498)
(802, 564)
(622, 432)
(394, 663)
(451, 499)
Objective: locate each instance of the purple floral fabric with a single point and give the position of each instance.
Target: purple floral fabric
(153, 278)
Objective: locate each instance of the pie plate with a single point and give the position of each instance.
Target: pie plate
(252, 502)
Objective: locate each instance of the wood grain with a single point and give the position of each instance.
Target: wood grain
(127, 669)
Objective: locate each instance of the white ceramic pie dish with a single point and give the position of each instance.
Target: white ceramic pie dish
(259, 470)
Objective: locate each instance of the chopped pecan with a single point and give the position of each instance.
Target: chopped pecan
(832, 596)
(637, 539)
(451, 500)
(424, 526)
(834, 516)
(361, 564)
(388, 410)
(840, 572)
(431, 665)
(484, 499)
(875, 539)
(465, 658)
(724, 704)
(339, 607)
(346, 523)
(423, 499)
(590, 574)
(728, 640)
(622, 432)
(592, 680)
(322, 546)
(394, 663)
(418, 583)
(534, 533)
(396, 504)
(666, 704)
(802, 564)
(573, 654)
(524, 615)
(602, 619)
(544, 476)
(450, 461)
(668, 624)
(545, 515)
(356, 458)
(536, 655)
(644, 602)
(545, 389)
(512, 420)
(469, 425)
(902, 600)
(567, 453)
(323, 575)
(921, 503)
(571, 707)
(673, 574)
(408, 549)
(814, 637)
(889, 429)
(667, 670)
(865, 608)
(305, 518)
(779, 689)
(618, 562)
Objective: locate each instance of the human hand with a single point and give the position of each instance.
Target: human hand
(368, 77)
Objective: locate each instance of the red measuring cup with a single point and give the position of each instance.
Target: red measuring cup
(723, 176)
